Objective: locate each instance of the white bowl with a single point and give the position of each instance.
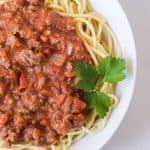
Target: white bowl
(118, 21)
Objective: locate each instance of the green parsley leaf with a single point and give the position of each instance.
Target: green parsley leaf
(111, 69)
(90, 98)
(87, 75)
(100, 101)
(91, 79)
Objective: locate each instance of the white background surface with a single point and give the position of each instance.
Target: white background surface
(134, 132)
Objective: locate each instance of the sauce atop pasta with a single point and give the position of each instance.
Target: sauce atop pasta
(38, 99)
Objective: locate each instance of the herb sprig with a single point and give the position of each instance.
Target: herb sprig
(109, 70)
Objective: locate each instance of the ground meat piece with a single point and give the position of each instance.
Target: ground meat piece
(2, 24)
(19, 120)
(69, 66)
(13, 41)
(34, 2)
(66, 107)
(58, 41)
(55, 89)
(31, 100)
(3, 72)
(36, 16)
(79, 52)
(28, 134)
(33, 133)
(22, 109)
(45, 122)
(4, 59)
(41, 82)
(42, 116)
(45, 36)
(53, 71)
(54, 39)
(4, 118)
(62, 24)
(78, 120)
(12, 75)
(14, 5)
(9, 99)
(28, 58)
(3, 87)
(36, 133)
(7, 104)
(23, 81)
(9, 134)
(51, 136)
(78, 105)
(33, 44)
(60, 122)
(69, 49)
(3, 37)
(58, 59)
(27, 33)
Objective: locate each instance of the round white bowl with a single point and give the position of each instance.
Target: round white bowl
(119, 23)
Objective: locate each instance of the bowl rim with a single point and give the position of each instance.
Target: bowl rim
(134, 76)
(133, 84)
(135, 62)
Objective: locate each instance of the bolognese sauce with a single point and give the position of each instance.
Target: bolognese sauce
(38, 99)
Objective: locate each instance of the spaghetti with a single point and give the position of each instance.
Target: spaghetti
(100, 42)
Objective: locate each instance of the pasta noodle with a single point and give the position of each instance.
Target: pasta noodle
(100, 42)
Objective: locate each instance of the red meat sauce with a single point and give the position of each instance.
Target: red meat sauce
(38, 99)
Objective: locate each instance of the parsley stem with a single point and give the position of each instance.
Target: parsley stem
(98, 83)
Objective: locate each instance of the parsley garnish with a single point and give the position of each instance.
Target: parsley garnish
(87, 75)
(100, 101)
(90, 77)
(111, 69)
